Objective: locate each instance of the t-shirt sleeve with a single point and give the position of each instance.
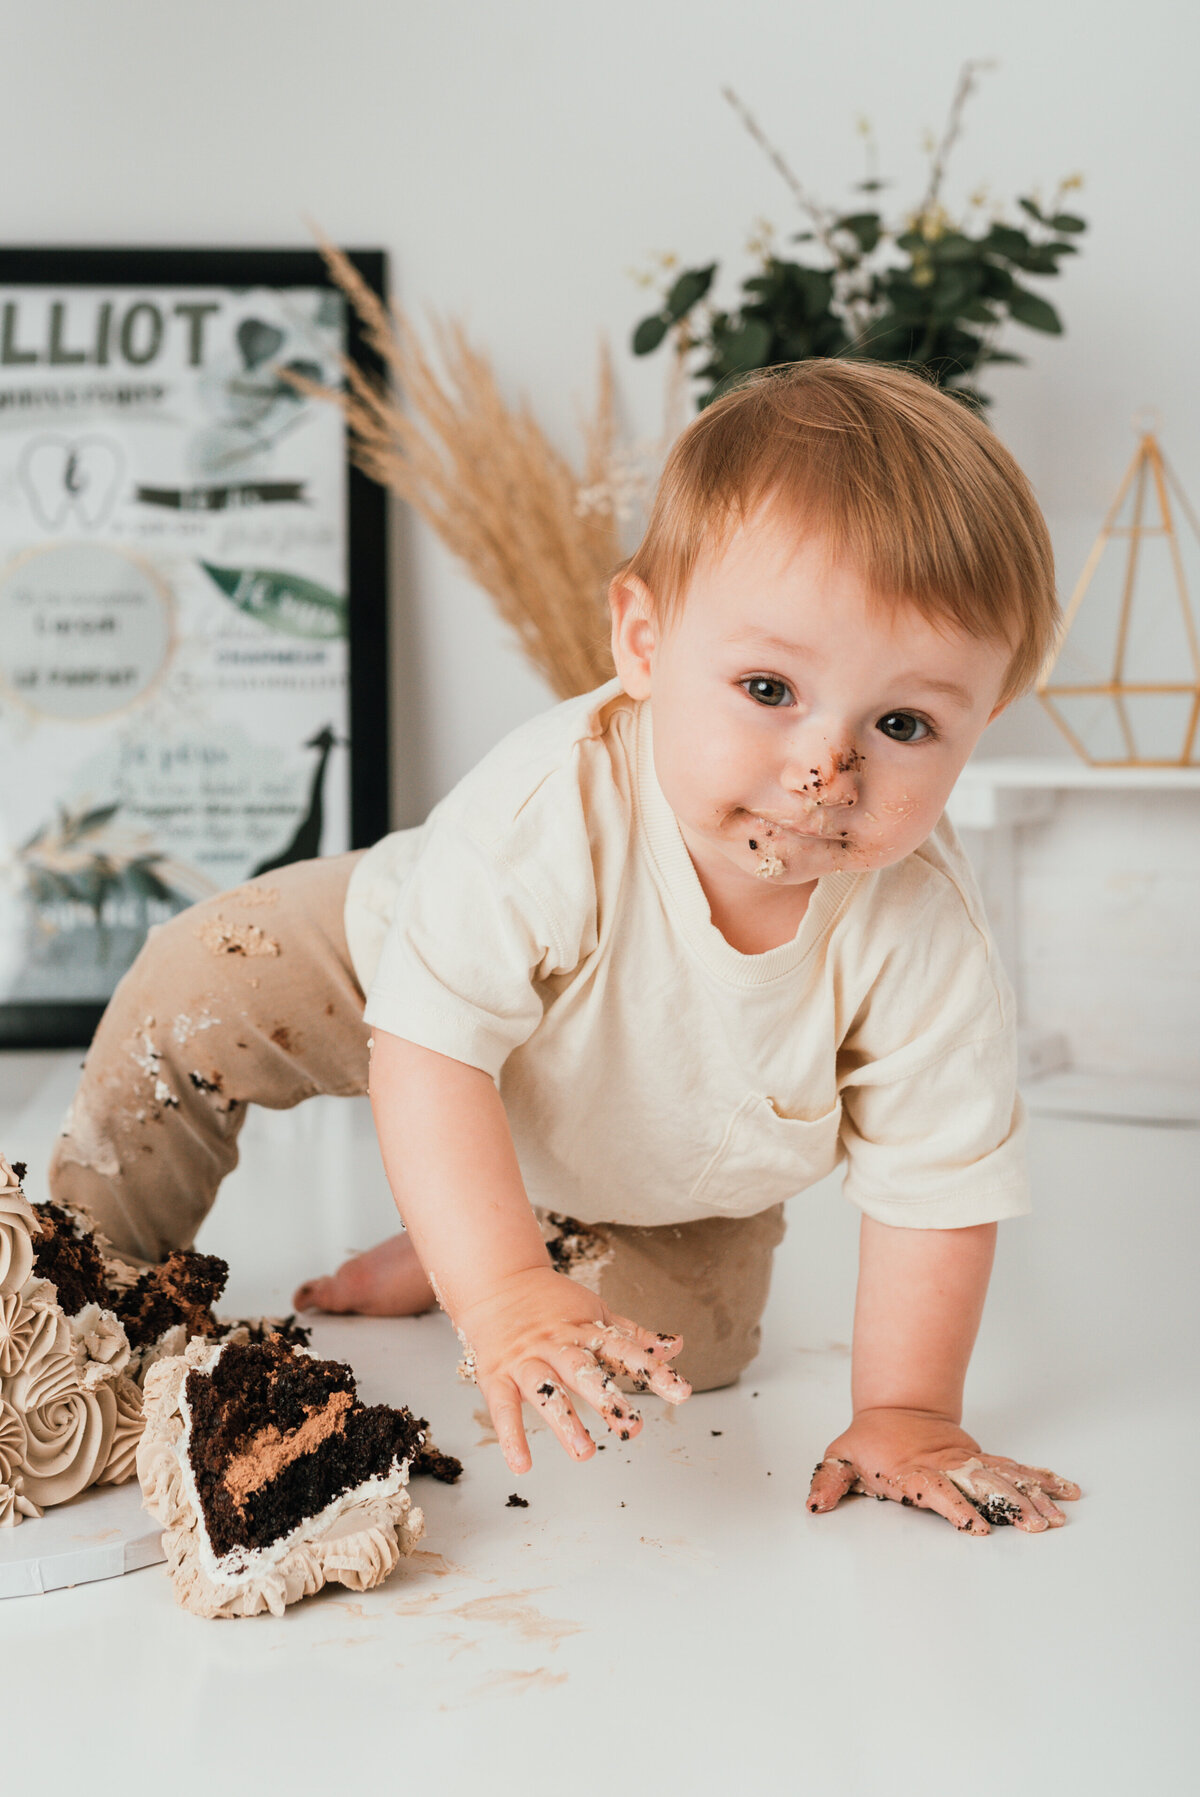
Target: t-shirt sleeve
(468, 944)
(932, 1124)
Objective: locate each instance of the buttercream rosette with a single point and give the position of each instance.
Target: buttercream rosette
(14, 1505)
(57, 1417)
(68, 1430)
(12, 1442)
(127, 1432)
(18, 1226)
(100, 1345)
(356, 1541)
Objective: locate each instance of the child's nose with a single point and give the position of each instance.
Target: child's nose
(830, 779)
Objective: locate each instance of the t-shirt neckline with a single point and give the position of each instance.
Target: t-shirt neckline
(678, 877)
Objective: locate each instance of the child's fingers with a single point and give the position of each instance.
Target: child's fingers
(1041, 1476)
(934, 1491)
(543, 1388)
(1002, 1497)
(504, 1403)
(666, 1383)
(831, 1481)
(593, 1380)
(622, 1355)
(660, 1345)
(1044, 1506)
(1004, 1502)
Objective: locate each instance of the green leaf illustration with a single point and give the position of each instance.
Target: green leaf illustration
(285, 602)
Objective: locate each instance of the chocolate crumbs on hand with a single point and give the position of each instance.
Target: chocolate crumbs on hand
(514, 1501)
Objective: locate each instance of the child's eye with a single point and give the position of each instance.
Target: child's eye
(767, 690)
(904, 727)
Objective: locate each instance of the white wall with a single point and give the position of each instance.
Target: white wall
(517, 157)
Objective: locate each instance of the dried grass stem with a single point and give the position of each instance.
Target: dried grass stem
(484, 476)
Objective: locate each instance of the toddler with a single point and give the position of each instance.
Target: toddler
(672, 952)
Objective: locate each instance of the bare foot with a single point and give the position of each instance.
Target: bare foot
(386, 1281)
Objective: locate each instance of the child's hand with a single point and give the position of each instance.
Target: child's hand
(541, 1333)
(914, 1457)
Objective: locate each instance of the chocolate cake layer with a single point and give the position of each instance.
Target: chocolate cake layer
(70, 1261)
(258, 1329)
(182, 1290)
(431, 1463)
(265, 1409)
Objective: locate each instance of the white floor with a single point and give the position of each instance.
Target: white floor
(668, 1618)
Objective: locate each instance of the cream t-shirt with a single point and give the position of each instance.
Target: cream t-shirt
(546, 924)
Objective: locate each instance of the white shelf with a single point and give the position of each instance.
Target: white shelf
(991, 802)
(1065, 771)
(1018, 789)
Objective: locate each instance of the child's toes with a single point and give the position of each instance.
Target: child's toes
(312, 1295)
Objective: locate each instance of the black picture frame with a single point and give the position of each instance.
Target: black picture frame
(71, 1025)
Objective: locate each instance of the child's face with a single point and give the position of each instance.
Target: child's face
(799, 726)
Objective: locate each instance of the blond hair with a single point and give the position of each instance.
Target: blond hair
(903, 482)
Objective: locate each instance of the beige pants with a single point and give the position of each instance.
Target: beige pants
(251, 998)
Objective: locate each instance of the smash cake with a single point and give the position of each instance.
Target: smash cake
(271, 1477)
(95, 1359)
(79, 1330)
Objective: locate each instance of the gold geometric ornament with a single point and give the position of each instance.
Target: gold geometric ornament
(1124, 685)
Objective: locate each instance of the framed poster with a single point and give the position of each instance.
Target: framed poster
(193, 668)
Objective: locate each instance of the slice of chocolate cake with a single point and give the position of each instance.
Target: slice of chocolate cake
(271, 1477)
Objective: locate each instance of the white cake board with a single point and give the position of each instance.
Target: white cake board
(98, 1535)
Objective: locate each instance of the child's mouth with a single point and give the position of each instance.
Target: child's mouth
(771, 828)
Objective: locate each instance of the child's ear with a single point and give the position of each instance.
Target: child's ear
(634, 632)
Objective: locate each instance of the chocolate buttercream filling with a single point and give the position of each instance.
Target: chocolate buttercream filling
(269, 1451)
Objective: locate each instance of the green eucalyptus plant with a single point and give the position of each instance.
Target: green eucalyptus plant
(930, 295)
